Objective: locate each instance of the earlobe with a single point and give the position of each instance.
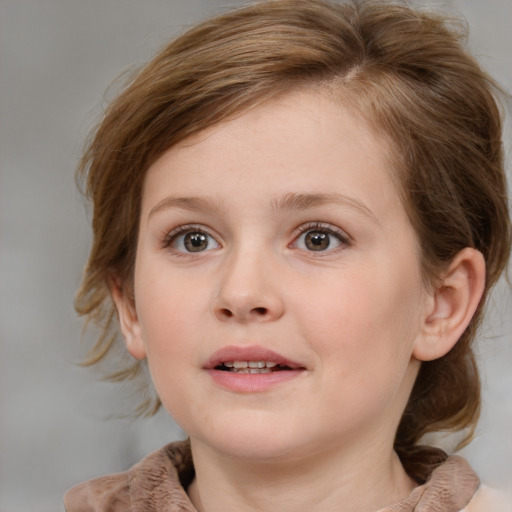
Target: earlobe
(128, 320)
(454, 302)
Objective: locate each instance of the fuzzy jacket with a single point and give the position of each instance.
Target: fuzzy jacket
(158, 484)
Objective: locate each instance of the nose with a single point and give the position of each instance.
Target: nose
(248, 290)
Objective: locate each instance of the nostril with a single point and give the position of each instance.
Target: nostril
(245, 314)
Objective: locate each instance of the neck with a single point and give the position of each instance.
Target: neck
(325, 481)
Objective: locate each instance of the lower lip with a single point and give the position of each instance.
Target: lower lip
(252, 382)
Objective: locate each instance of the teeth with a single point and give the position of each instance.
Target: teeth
(249, 364)
(250, 370)
(256, 364)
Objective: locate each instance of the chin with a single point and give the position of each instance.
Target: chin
(261, 452)
(257, 443)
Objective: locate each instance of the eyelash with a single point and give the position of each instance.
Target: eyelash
(320, 227)
(328, 229)
(173, 235)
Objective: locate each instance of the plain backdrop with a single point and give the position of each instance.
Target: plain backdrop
(59, 423)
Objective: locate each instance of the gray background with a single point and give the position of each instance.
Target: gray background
(57, 58)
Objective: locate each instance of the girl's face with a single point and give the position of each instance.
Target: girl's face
(277, 241)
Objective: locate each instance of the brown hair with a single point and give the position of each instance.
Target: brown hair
(403, 70)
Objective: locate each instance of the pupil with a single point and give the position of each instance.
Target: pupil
(317, 241)
(195, 242)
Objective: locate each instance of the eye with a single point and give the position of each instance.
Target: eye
(319, 238)
(188, 240)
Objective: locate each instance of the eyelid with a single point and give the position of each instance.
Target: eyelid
(325, 227)
(170, 236)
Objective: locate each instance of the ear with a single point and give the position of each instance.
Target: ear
(128, 319)
(452, 306)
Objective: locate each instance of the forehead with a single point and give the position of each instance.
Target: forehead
(286, 122)
(303, 142)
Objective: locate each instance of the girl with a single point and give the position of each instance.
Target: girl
(299, 210)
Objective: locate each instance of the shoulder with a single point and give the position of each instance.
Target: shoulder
(487, 499)
(110, 493)
(158, 477)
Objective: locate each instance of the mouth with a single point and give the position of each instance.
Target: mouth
(252, 367)
(252, 359)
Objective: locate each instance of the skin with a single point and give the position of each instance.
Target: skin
(355, 315)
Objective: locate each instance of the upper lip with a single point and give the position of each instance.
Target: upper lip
(250, 353)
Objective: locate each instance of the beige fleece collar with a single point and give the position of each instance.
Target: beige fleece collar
(158, 483)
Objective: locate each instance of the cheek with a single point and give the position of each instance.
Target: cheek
(364, 327)
(170, 352)
(165, 299)
(169, 315)
(365, 354)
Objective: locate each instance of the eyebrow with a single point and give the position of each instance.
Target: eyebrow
(288, 202)
(192, 204)
(296, 201)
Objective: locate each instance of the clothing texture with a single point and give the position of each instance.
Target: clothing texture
(158, 484)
